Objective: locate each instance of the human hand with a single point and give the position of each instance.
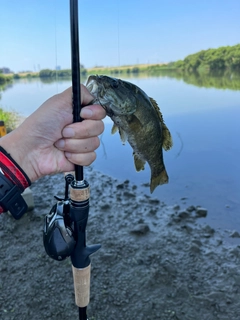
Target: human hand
(47, 142)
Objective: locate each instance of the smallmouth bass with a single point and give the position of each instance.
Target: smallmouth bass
(138, 120)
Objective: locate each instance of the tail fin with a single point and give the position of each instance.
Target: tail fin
(159, 179)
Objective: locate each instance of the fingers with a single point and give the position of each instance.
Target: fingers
(86, 96)
(79, 151)
(84, 129)
(80, 140)
(78, 145)
(82, 159)
(94, 112)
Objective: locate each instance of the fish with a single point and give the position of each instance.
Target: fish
(139, 121)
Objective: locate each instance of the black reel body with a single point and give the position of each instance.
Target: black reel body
(58, 237)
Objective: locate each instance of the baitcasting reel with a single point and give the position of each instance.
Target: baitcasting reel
(58, 233)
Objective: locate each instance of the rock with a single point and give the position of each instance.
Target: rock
(235, 234)
(147, 184)
(140, 229)
(154, 201)
(194, 248)
(187, 228)
(104, 206)
(208, 231)
(129, 194)
(183, 214)
(197, 242)
(153, 212)
(191, 209)
(201, 212)
(120, 186)
(176, 207)
(108, 257)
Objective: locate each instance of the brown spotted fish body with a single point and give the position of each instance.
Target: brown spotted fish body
(138, 120)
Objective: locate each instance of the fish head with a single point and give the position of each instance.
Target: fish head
(116, 96)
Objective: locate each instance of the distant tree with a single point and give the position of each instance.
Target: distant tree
(2, 79)
(16, 76)
(223, 58)
(135, 70)
(46, 73)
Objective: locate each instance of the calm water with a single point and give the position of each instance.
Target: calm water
(203, 165)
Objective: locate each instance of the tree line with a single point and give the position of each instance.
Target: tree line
(223, 58)
(48, 73)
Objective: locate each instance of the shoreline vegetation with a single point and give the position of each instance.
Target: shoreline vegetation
(212, 68)
(221, 60)
(205, 62)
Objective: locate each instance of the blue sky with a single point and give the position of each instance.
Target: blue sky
(35, 34)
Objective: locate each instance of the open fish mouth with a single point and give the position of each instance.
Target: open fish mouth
(93, 88)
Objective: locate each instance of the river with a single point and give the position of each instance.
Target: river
(203, 165)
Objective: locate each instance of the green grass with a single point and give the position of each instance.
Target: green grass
(10, 118)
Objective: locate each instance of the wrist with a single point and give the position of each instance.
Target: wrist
(11, 143)
(12, 171)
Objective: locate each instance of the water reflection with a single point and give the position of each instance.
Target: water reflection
(218, 79)
(207, 171)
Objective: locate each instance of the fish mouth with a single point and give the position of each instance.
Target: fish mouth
(93, 87)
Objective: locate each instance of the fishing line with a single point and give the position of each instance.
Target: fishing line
(181, 147)
(56, 44)
(118, 33)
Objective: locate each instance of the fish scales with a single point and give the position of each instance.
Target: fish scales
(138, 120)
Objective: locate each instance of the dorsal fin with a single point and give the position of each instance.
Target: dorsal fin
(167, 138)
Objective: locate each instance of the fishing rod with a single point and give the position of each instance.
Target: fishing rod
(65, 226)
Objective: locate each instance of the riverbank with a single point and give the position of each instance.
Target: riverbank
(156, 262)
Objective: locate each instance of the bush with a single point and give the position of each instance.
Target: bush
(16, 76)
(135, 70)
(46, 73)
(2, 79)
(10, 119)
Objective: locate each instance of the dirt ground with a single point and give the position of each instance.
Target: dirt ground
(156, 261)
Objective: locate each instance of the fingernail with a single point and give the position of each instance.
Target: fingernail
(86, 113)
(60, 144)
(68, 133)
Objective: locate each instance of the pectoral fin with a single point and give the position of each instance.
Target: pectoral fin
(114, 129)
(134, 123)
(138, 162)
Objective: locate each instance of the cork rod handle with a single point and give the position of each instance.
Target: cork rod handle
(81, 279)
